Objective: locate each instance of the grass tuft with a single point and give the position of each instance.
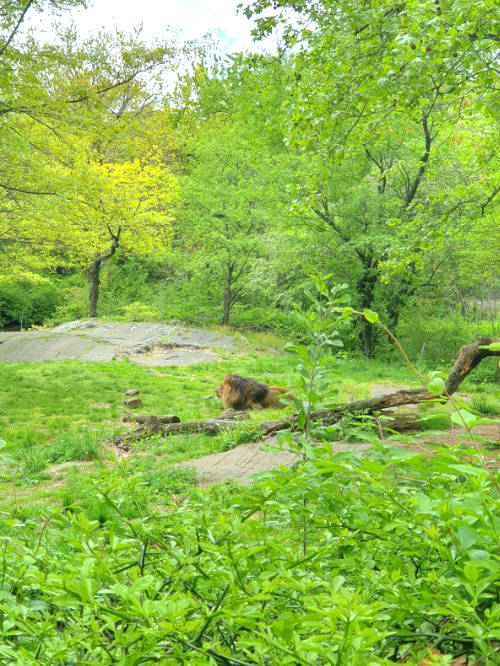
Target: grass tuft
(84, 446)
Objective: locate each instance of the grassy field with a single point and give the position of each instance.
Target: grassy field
(101, 553)
(52, 413)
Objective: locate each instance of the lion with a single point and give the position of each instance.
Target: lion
(243, 393)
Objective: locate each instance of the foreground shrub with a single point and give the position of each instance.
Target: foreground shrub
(342, 560)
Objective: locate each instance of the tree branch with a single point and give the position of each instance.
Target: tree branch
(490, 199)
(21, 190)
(16, 27)
(423, 164)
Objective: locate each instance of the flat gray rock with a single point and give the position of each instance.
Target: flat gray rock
(243, 462)
(143, 343)
(175, 357)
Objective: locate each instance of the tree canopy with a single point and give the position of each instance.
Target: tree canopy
(365, 147)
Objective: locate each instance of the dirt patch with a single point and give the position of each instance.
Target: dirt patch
(243, 462)
(58, 479)
(238, 464)
(57, 471)
(457, 434)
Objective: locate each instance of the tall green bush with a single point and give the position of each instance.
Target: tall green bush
(26, 303)
(435, 339)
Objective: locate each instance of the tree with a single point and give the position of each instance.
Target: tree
(105, 206)
(22, 96)
(223, 218)
(377, 94)
(74, 104)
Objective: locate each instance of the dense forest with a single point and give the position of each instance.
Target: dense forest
(162, 181)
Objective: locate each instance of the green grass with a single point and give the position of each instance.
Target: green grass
(42, 401)
(150, 483)
(486, 404)
(56, 412)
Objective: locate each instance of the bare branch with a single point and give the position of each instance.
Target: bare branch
(16, 27)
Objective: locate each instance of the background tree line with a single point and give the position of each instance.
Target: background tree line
(367, 148)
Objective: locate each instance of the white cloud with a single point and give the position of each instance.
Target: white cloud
(193, 18)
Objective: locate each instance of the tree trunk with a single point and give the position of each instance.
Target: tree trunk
(228, 296)
(366, 290)
(403, 291)
(95, 271)
(227, 307)
(94, 282)
(394, 308)
(368, 339)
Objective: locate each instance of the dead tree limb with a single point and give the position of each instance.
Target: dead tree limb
(468, 358)
(149, 424)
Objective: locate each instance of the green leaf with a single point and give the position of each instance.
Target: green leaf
(467, 537)
(463, 417)
(424, 503)
(370, 316)
(493, 346)
(471, 572)
(436, 386)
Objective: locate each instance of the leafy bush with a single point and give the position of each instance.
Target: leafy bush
(127, 283)
(485, 373)
(241, 434)
(342, 559)
(486, 404)
(263, 319)
(74, 304)
(27, 303)
(139, 312)
(436, 339)
(167, 481)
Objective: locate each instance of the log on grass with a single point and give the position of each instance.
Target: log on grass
(150, 424)
(468, 357)
(149, 421)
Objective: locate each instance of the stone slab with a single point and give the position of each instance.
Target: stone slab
(139, 333)
(98, 341)
(175, 357)
(243, 462)
(25, 347)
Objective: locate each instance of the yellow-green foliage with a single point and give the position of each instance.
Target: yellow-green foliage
(133, 202)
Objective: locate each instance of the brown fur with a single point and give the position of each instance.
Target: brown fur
(246, 393)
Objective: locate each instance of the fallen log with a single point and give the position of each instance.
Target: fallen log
(150, 421)
(151, 424)
(468, 357)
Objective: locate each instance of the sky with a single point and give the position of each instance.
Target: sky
(193, 18)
